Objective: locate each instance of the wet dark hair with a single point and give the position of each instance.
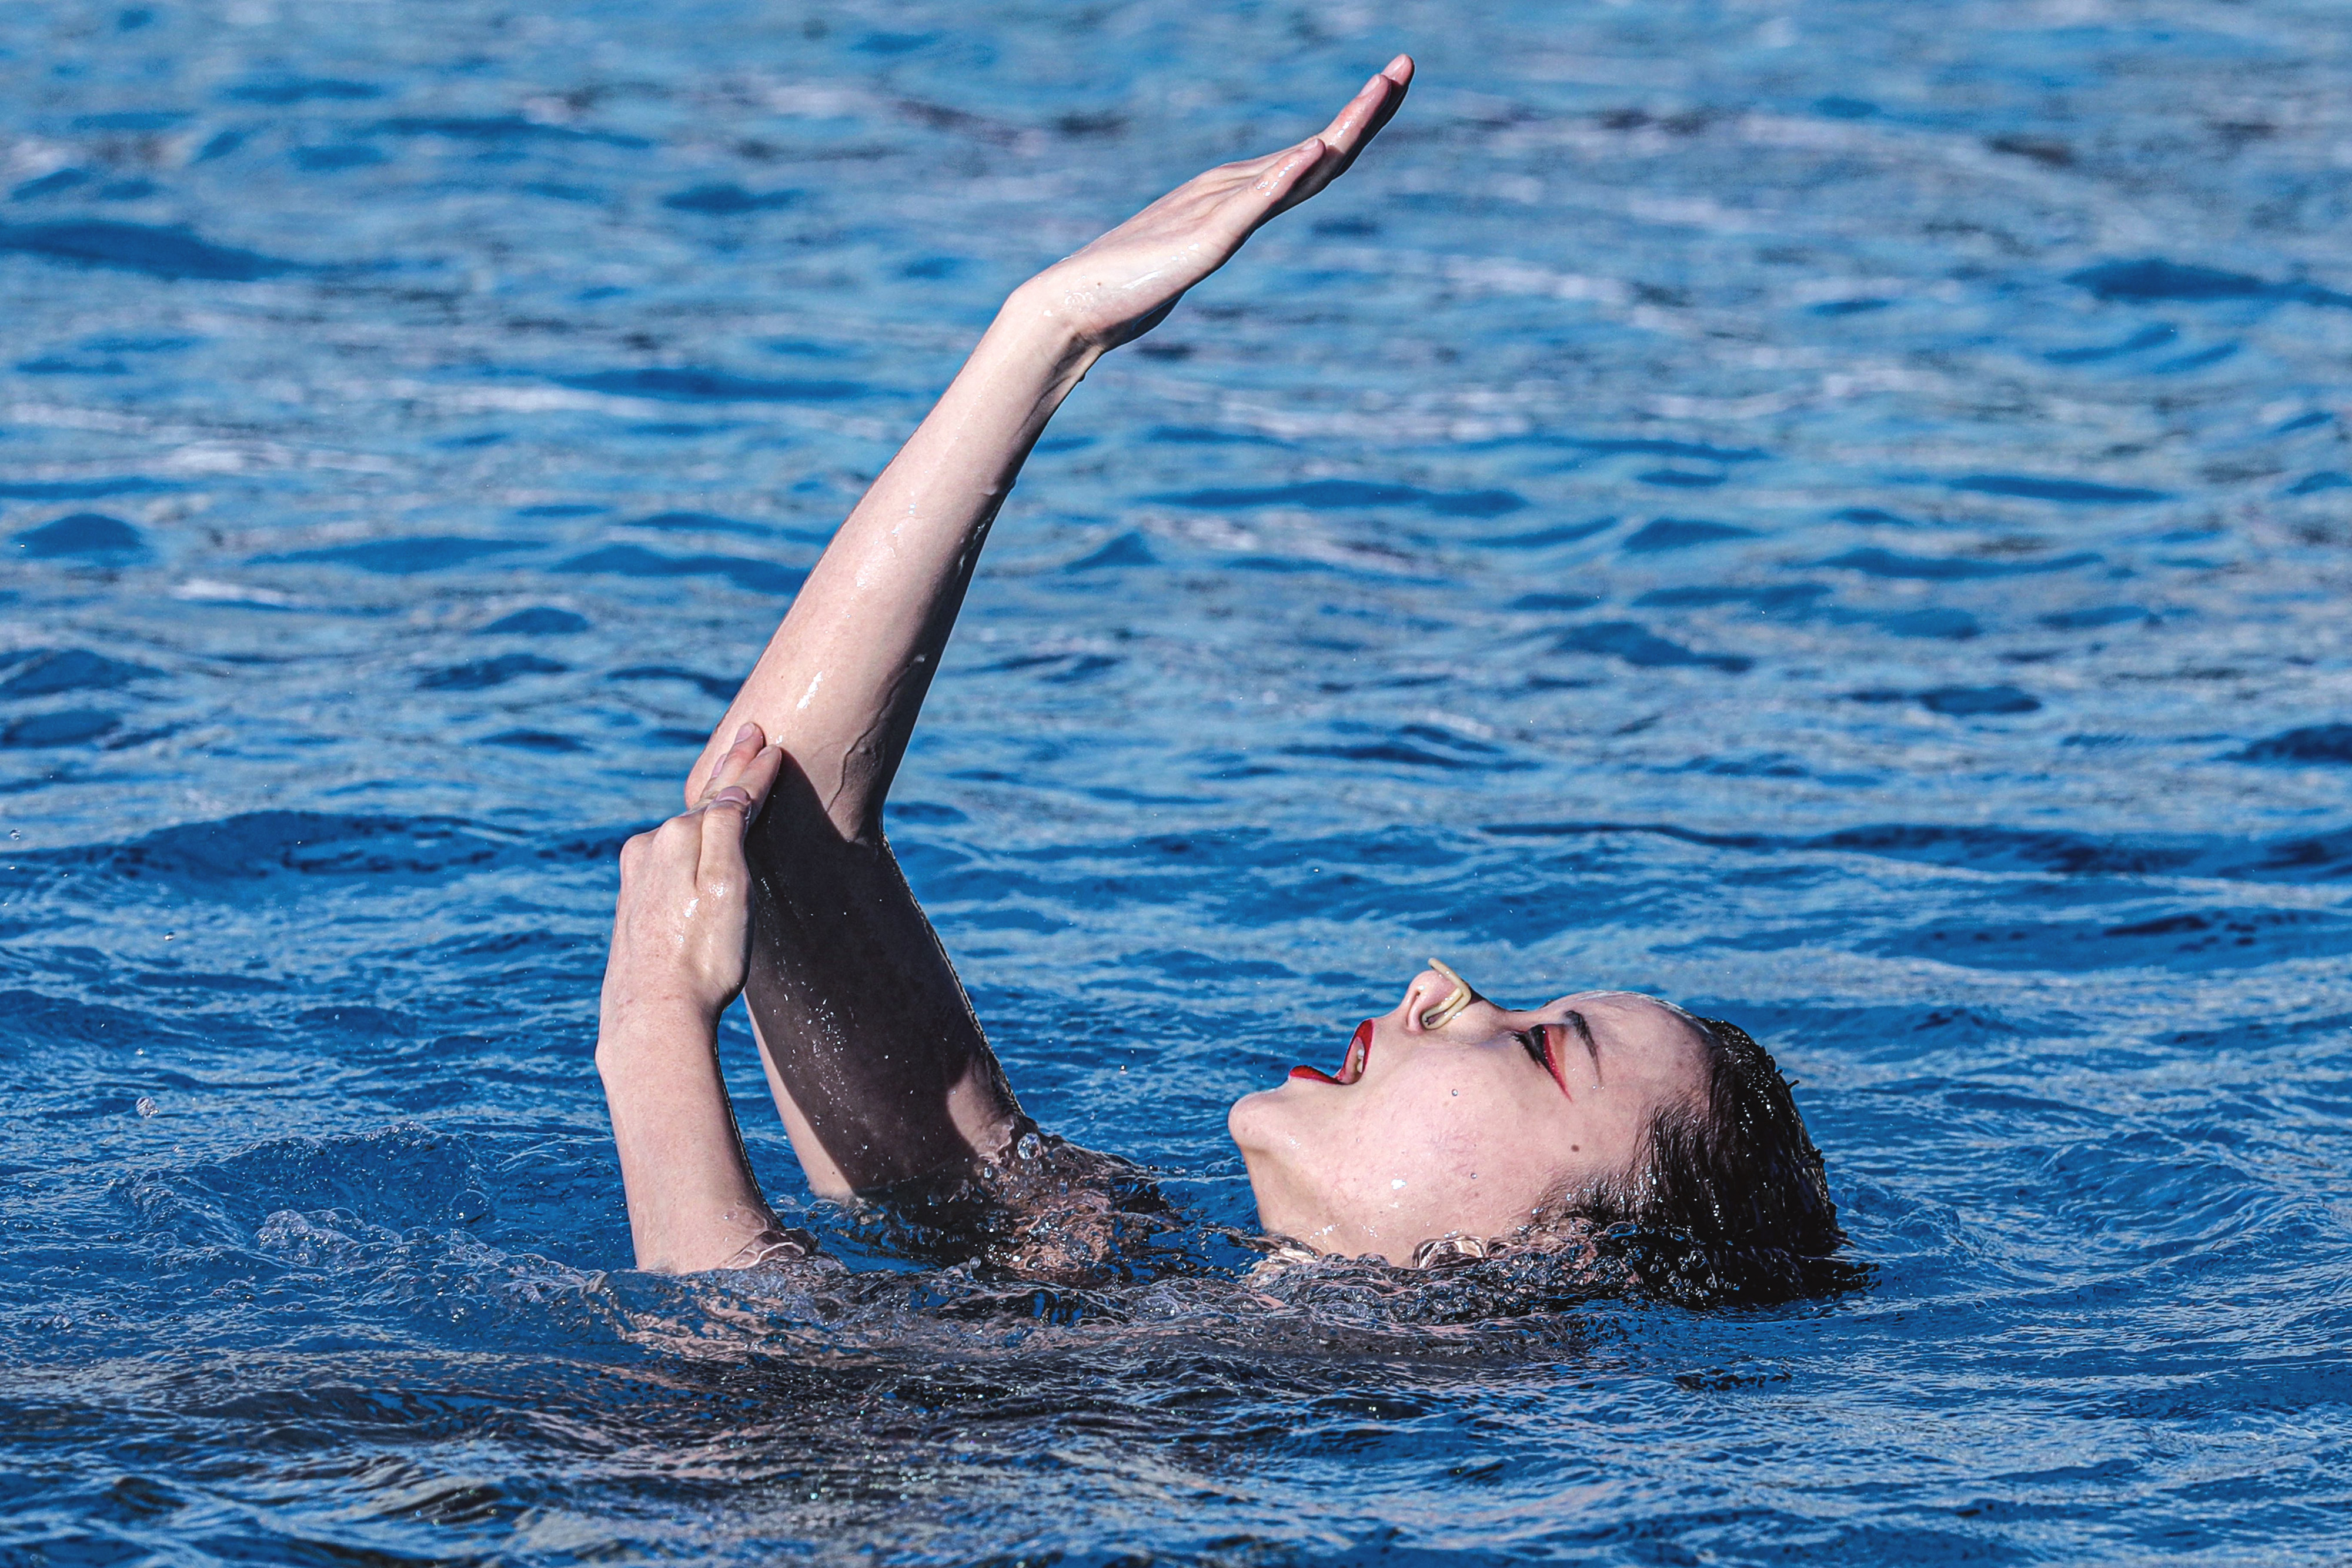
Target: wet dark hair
(1729, 1201)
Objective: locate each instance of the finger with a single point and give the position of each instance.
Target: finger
(759, 778)
(749, 741)
(1239, 213)
(1349, 126)
(731, 808)
(723, 822)
(1398, 70)
(1372, 107)
(1270, 191)
(1354, 126)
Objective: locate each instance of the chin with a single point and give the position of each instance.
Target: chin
(1252, 1124)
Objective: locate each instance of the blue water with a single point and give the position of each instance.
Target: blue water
(1832, 512)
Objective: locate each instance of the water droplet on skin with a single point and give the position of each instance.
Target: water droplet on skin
(1397, 1185)
(147, 1106)
(1028, 1146)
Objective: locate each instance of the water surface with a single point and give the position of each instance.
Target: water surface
(1834, 513)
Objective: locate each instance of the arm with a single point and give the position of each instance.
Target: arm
(879, 1069)
(680, 938)
(840, 683)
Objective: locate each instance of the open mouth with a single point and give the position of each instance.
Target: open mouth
(1360, 1051)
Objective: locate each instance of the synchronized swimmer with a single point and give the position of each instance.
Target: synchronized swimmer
(1453, 1125)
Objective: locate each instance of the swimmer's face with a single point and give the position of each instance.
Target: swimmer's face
(1465, 1126)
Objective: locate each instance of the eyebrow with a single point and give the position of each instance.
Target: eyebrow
(1591, 1047)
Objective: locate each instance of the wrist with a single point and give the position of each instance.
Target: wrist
(648, 1008)
(1034, 323)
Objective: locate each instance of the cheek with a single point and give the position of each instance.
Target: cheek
(1498, 1161)
(1448, 1167)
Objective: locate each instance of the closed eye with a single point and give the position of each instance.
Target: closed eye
(1536, 1043)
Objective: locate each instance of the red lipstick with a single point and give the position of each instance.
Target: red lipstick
(1360, 1051)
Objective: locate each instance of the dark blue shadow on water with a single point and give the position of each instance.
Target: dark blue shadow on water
(284, 91)
(138, 248)
(500, 128)
(1769, 598)
(84, 535)
(44, 672)
(1661, 534)
(727, 200)
(717, 687)
(540, 621)
(1873, 561)
(2068, 492)
(2155, 278)
(1347, 495)
(483, 673)
(1638, 646)
(1973, 702)
(81, 489)
(1418, 746)
(2323, 744)
(70, 727)
(2146, 338)
(666, 385)
(535, 740)
(635, 560)
(1127, 550)
(398, 558)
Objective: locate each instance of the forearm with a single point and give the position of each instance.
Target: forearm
(693, 1202)
(843, 678)
(881, 1072)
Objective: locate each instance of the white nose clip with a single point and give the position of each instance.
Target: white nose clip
(1460, 996)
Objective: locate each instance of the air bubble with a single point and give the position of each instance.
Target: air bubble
(147, 1106)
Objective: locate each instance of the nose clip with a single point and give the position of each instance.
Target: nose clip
(1460, 996)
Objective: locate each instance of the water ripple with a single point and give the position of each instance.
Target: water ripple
(1783, 511)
